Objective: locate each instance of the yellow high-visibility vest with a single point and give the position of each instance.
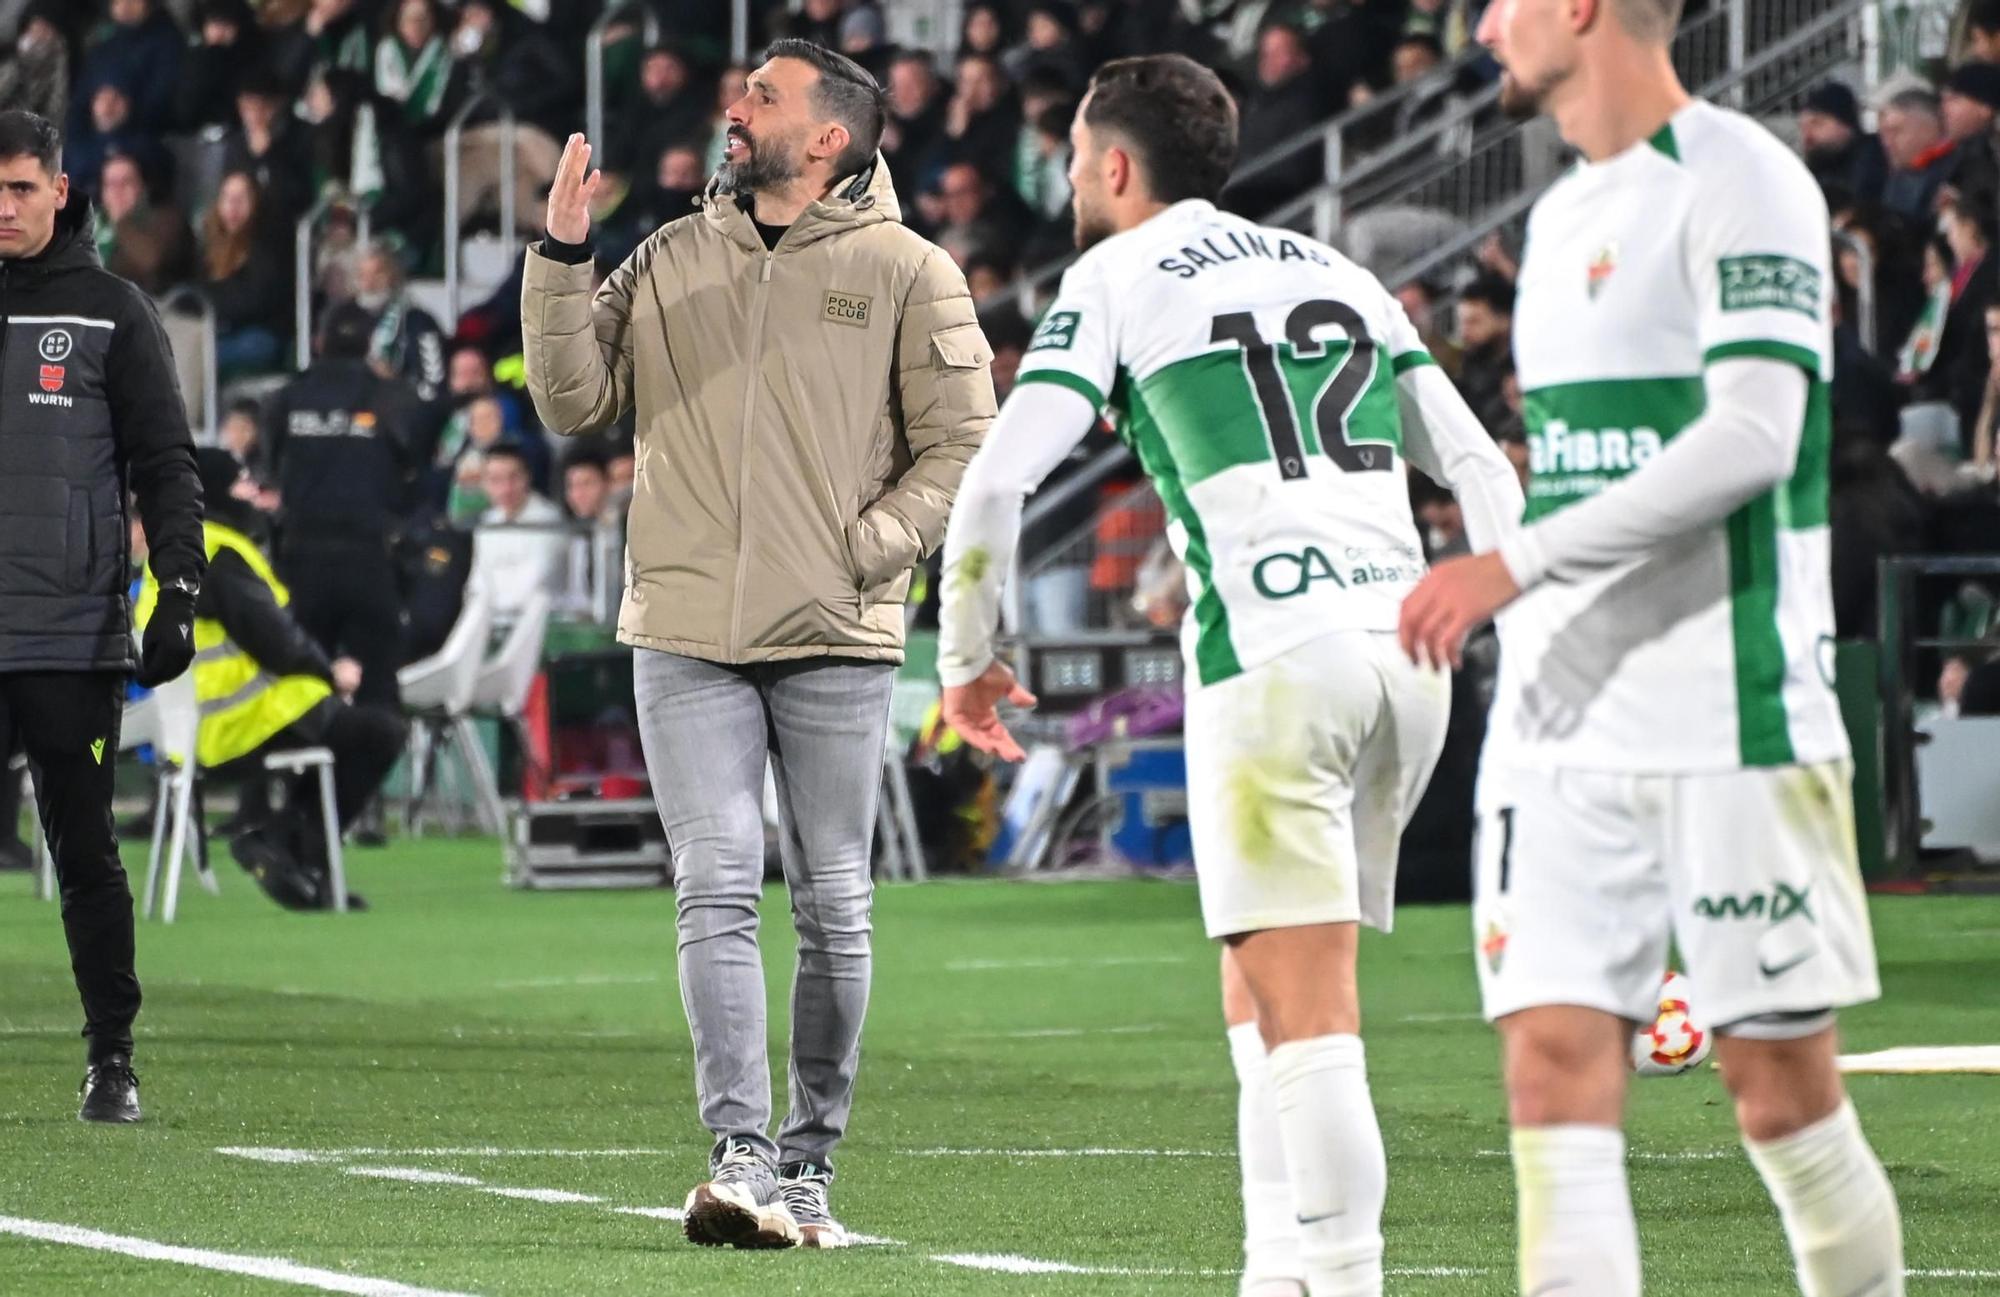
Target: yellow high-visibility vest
(242, 705)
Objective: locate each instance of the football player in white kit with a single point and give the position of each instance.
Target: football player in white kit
(1666, 757)
(1272, 390)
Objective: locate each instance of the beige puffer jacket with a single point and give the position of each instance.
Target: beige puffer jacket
(804, 418)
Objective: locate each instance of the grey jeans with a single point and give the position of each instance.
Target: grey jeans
(707, 731)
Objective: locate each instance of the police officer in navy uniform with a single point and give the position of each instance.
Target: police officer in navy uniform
(344, 444)
(88, 407)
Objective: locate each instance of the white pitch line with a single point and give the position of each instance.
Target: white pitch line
(1066, 1152)
(1065, 1033)
(412, 1175)
(1681, 1155)
(275, 1269)
(587, 979)
(303, 1156)
(542, 1195)
(653, 1213)
(1953, 1274)
(1005, 1263)
(1023, 965)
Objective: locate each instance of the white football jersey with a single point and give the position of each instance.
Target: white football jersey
(1253, 371)
(1706, 242)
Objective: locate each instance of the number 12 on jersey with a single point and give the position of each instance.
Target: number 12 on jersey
(1270, 371)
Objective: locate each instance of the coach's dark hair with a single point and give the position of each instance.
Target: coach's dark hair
(1174, 116)
(846, 93)
(28, 135)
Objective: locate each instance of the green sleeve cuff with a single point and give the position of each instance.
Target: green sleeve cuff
(1410, 360)
(1083, 387)
(1762, 348)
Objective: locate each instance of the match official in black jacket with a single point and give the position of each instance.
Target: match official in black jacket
(88, 406)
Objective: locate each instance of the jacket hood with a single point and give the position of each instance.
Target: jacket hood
(866, 198)
(73, 246)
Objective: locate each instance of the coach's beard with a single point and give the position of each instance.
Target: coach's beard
(762, 169)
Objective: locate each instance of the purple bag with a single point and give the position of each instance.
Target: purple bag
(1131, 713)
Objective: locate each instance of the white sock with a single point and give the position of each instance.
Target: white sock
(1270, 1220)
(1333, 1149)
(1838, 1208)
(1578, 1235)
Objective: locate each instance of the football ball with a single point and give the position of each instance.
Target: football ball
(1676, 1040)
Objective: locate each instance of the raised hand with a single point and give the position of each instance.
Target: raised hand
(570, 196)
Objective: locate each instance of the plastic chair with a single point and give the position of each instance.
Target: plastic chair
(175, 728)
(438, 692)
(501, 691)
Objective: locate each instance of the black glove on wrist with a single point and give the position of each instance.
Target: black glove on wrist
(168, 644)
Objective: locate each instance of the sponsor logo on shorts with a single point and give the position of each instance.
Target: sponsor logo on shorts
(1768, 969)
(1782, 903)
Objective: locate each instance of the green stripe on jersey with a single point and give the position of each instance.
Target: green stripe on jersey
(1763, 735)
(1215, 653)
(1063, 378)
(1582, 437)
(1209, 420)
(1410, 360)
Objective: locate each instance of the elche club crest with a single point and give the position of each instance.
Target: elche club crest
(54, 348)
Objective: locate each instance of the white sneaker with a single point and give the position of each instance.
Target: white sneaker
(740, 1205)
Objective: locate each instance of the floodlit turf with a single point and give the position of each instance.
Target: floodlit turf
(460, 1015)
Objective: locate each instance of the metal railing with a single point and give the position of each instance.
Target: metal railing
(454, 233)
(1780, 69)
(593, 64)
(204, 311)
(302, 261)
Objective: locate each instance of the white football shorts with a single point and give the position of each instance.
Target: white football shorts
(1302, 773)
(1582, 879)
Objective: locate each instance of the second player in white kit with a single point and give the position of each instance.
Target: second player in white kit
(1272, 391)
(1666, 760)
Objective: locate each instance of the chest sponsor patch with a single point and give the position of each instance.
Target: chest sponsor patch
(1765, 282)
(847, 308)
(52, 378)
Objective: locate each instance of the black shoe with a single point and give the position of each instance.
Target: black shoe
(110, 1092)
(263, 855)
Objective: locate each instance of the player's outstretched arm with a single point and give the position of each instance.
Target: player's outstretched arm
(1445, 439)
(1038, 427)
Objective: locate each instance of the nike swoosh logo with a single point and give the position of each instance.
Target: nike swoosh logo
(1785, 967)
(1314, 1220)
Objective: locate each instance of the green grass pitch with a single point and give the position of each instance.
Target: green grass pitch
(1007, 1017)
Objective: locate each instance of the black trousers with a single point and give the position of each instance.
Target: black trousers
(67, 722)
(365, 742)
(347, 597)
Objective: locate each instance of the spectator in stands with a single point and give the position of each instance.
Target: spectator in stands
(731, 85)
(667, 191)
(330, 34)
(983, 31)
(1050, 48)
(271, 147)
(35, 75)
(1039, 181)
(1919, 350)
(975, 219)
(1919, 154)
(1486, 332)
(986, 276)
(413, 64)
(494, 49)
(1959, 374)
(139, 239)
(1419, 298)
(915, 127)
(228, 49)
(244, 279)
(241, 433)
(1982, 31)
(817, 21)
(665, 110)
(1284, 102)
(1416, 56)
(1350, 42)
(522, 543)
(1846, 160)
(141, 55)
(586, 486)
(1971, 96)
(406, 340)
(982, 122)
(864, 37)
(112, 130)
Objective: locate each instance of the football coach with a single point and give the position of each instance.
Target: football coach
(88, 407)
(810, 383)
